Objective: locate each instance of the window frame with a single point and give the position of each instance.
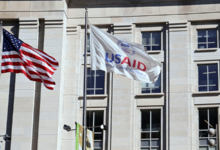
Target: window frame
(104, 122)
(105, 84)
(217, 39)
(217, 134)
(161, 123)
(203, 25)
(161, 39)
(196, 90)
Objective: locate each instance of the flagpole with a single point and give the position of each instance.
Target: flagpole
(85, 83)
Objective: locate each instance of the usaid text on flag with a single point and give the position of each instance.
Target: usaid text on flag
(113, 54)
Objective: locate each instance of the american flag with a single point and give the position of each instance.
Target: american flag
(19, 57)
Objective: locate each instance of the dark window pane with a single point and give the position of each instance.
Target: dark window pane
(98, 120)
(202, 118)
(155, 143)
(202, 46)
(145, 118)
(147, 48)
(156, 38)
(212, 36)
(145, 90)
(155, 135)
(90, 92)
(156, 90)
(203, 88)
(146, 38)
(90, 78)
(202, 71)
(212, 45)
(89, 118)
(97, 136)
(213, 117)
(145, 135)
(201, 36)
(90, 82)
(213, 68)
(213, 78)
(203, 133)
(156, 48)
(155, 120)
(213, 88)
(99, 91)
(100, 79)
(145, 143)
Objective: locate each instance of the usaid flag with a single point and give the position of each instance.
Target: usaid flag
(113, 54)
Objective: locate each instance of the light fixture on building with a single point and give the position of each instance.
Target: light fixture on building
(211, 131)
(104, 127)
(211, 142)
(66, 127)
(6, 137)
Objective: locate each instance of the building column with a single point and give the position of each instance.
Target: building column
(51, 106)
(123, 101)
(180, 95)
(22, 127)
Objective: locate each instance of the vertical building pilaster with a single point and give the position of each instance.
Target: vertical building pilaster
(123, 101)
(73, 55)
(180, 101)
(24, 97)
(50, 120)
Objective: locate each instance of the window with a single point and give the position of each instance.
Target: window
(88, 43)
(150, 129)
(152, 88)
(95, 118)
(208, 118)
(208, 77)
(95, 81)
(151, 40)
(207, 39)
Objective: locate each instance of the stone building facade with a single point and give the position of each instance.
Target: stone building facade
(173, 114)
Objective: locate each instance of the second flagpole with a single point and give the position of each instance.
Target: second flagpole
(85, 84)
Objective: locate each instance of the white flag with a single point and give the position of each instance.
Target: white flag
(113, 54)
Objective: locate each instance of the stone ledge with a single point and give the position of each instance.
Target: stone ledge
(207, 49)
(149, 95)
(93, 97)
(154, 52)
(206, 93)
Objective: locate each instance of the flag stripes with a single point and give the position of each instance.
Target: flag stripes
(33, 63)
